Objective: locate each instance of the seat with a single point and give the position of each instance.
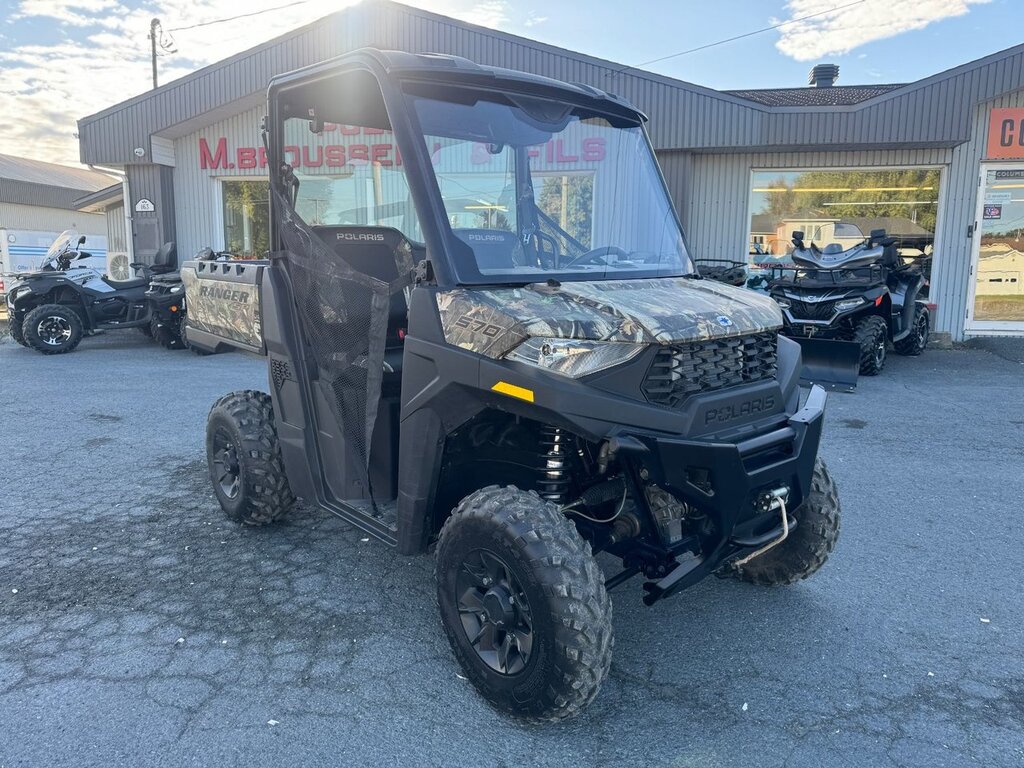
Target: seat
(372, 251)
(124, 285)
(165, 260)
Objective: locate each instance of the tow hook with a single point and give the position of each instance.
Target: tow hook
(770, 500)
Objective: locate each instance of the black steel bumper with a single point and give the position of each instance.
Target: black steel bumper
(726, 480)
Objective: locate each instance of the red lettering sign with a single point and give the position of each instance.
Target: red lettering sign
(222, 157)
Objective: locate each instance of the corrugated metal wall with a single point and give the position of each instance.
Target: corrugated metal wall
(951, 270)
(116, 240)
(42, 219)
(196, 193)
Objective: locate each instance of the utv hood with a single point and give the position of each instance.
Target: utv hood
(660, 311)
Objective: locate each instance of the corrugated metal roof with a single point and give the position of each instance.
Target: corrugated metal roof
(52, 175)
(835, 96)
(933, 112)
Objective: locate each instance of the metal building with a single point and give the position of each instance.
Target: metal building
(39, 200)
(938, 162)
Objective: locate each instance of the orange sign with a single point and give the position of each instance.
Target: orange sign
(1006, 134)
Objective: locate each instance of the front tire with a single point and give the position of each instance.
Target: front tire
(244, 459)
(523, 604)
(164, 334)
(914, 343)
(871, 333)
(53, 329)
(14, 325)
(809, 545)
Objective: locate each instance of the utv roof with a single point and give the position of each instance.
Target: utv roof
(446, 69)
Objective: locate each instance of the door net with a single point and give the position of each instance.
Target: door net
(344, 315)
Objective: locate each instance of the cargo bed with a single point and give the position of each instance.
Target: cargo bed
(223, 305)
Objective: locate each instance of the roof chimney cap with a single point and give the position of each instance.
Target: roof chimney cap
(823, 75)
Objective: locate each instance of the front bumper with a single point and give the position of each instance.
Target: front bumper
(726, 481)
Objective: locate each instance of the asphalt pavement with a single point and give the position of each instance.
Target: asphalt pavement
(139, 628)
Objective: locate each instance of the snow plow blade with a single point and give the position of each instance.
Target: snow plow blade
(831, 363)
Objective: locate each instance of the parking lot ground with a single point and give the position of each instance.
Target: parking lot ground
(139, 628)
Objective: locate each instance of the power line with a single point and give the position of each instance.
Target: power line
(737, 37)
(241, 16)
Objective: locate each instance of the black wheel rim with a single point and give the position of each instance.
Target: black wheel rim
(494, 612)
(226, 470)
(54, 330)
(880, 351)
(922, 332)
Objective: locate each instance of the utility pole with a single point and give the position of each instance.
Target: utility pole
(153, 26)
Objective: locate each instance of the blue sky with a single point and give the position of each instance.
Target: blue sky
(62, 59)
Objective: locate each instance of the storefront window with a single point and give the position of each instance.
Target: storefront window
(999, 286)
(842, 207)
(246, 218)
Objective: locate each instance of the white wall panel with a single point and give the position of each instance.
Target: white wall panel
(40, 219)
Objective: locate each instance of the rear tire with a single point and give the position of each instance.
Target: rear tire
(914, 343)
(164, 334)
(244, 459)
(515, 574)
(810, 544)
(53, 329)
(871, 333)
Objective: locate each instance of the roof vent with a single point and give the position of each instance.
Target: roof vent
(823, 75)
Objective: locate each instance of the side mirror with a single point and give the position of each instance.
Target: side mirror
(798, 239)
(81, 240)
(876, 234)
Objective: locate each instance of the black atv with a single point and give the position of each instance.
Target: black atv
(478, 380)
(52, 309)
(845, 306)
(167, 302)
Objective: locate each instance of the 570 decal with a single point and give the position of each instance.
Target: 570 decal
(475, 325)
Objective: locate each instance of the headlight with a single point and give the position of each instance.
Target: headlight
(574, 357)
(178, 288)
(847, 304)
(784, 303)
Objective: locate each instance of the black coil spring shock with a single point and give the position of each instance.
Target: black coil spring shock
(554, 465)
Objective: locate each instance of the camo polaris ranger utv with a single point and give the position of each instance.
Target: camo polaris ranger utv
(486, 336)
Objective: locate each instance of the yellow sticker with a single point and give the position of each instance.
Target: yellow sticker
(513, 391)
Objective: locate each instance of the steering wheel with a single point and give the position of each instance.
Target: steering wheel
(593, 254)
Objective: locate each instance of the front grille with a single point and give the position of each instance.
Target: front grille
(682, 370)
(808, 310)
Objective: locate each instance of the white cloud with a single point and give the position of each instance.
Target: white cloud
(104, 57)
(490, 13)
(533, 20)
(841, 31)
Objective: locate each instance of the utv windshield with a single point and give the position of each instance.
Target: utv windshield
(535, 190)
